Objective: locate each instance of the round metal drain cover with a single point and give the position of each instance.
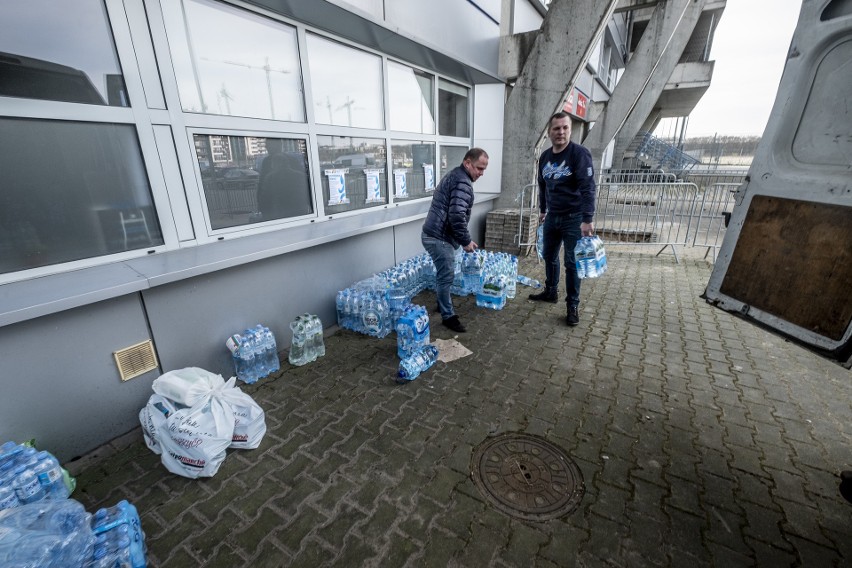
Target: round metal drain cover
(527, 477)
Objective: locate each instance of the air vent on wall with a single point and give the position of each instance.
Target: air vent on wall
(136, 360)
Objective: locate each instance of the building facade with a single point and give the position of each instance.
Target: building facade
(175, 171)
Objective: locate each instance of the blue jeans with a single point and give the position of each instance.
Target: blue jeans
(443, 255)
(562, 230)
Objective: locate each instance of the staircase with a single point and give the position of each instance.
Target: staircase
(657, 154)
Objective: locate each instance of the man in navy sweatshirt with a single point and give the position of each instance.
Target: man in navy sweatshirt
(566, 185)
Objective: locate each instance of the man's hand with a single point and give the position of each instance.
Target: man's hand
(588, 229)
(471, 246)
(541, 217)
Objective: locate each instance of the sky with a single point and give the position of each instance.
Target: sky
(749, 47)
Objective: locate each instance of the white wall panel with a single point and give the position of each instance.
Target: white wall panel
(488, 133)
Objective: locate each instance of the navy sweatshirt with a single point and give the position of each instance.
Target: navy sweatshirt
(566, 182)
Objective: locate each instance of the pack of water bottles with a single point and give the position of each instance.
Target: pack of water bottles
(41, 527)
(473, 269)
(119, 539)
(307, 344)
(54, 534)
(255, 353)
(420, 360)
(590, 257)
(28, 475)
(373, 306)
(412, 330)
(194, 416)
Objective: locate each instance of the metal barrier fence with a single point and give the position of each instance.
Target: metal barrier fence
(653, 208)
(652, 214)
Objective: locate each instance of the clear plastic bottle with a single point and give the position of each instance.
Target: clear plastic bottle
(271, 351)
(8, 498)
(298, 355)
(580, 258)
(421, 360)
(590, 260)
(49, 474)
(27, 487)
(244, 358)
(527, 281)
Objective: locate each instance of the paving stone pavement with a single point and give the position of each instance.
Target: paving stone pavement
(702, 441)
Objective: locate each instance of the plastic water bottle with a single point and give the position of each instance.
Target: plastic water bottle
(421, 360)
(244, 358)
(319, 341)
(49, 474)
(471, 272)
(27, 486)
(527, 281)
(539, 242)
(297, 354)
(271, 350)
(580, 258)
(493, 293)
(9, 451)
(589, 259)
(511, 276)
(8, 498)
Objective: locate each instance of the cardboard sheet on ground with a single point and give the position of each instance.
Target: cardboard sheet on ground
(450, 350)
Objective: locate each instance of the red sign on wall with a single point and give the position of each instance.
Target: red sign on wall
(576, 104)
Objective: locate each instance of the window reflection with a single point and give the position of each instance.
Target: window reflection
(250, 180)
(451, 156)
(453, 103)
(71, 190)
(233, 62)
(410, 103)
(413, 174)
(43, 57)
(354, 172)
(346, 85)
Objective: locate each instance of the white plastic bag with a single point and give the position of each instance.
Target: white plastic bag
(187, 386)
(153, 418)
(195, 438)
(250, 422)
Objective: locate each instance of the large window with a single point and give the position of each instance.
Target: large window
(453, 109)
(354, 172)
(413, 170)
(70, 191)
(252, 180)
(410, 104)
(451, 157)
(233, 62)
(59, 51)
(346, 84)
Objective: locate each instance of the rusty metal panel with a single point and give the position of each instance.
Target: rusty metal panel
(794, 260)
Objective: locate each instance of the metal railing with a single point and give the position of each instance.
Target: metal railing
(653, 214)
(660, 154)
(712, 215)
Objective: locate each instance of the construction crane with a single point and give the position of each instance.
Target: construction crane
(266, 69)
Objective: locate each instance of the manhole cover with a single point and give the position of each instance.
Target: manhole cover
(527, 477)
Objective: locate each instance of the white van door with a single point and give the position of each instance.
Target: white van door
(786, 261)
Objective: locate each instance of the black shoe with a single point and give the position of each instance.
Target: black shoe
(454, 324)
(546, 295)
(573, 316)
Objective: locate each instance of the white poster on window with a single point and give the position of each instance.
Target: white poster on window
(429, 176)
(399, 183)
(337, 186)
(374, 187)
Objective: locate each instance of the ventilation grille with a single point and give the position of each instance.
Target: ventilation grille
(136, 360)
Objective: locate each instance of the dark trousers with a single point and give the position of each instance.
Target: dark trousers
(562, 230)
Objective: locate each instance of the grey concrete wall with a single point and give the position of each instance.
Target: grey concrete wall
(60, 382)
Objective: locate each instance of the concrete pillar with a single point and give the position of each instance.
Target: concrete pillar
(645, 76)
(569, 32)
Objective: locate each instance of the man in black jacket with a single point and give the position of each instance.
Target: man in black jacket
(446, 229)
(566, 185)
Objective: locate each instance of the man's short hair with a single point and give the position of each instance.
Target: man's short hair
(474, 154)
(560, 114)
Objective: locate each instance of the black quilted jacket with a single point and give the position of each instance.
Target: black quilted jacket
(450, 211)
